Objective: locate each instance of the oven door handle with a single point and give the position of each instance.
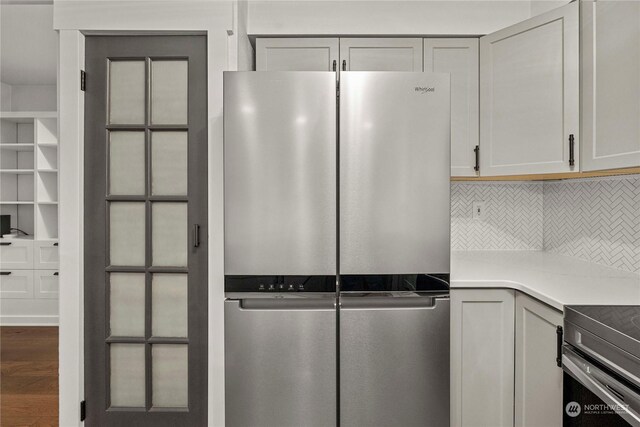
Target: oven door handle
(571, 364)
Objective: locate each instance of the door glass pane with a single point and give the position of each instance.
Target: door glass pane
(169, 92)
(169, 305)
(127, 375)
(170, 375)
(127, 226)
(169, 163)
(127, 304)
(169, 234)
(126, 92)
(126, 163)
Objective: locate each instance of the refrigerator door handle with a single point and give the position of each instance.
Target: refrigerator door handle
(353, 302)
(286, 304)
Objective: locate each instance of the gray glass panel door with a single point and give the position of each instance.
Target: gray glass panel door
(145, 230)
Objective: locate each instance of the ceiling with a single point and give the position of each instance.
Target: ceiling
(28, 44)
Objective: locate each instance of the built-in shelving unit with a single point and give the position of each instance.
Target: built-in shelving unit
(29, 194)
(29, 172)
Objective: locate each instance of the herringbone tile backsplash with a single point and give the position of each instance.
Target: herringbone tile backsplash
(597, 220)
(512, 221)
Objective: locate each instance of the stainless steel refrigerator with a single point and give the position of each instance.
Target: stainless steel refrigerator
(336, 248)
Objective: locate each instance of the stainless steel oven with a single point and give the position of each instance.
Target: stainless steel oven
(601, 363)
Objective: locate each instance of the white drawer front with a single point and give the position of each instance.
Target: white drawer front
(16, 284)
(16, 254)
(46, 283)
(46, 255)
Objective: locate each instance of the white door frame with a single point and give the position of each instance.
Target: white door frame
(73, 19)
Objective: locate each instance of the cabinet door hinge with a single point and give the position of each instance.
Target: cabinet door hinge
(83, 410)
(559, 340)
(83, 80)
(477, 152)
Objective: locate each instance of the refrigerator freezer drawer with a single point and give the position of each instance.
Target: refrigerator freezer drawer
(280, 362)
(394, 173)
(394, 362)
(280, 173)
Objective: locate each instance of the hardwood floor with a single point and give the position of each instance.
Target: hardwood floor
(28, 376)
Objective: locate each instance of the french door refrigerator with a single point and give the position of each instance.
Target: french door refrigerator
(336, 249)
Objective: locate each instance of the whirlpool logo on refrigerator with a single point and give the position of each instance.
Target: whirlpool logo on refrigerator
(424, 89)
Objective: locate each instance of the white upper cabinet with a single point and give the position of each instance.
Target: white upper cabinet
(610, 84)
(538, 379)
(380, 54)
(529, 102)
(459, 57)
(296, 54)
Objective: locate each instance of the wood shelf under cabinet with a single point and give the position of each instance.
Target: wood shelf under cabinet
(551, 176)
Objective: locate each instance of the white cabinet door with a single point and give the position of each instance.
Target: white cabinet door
(538, 379)
(529, 106)
(45, 283)
(45, 254)
(16, 254)
(610, 84)
(16, 284)
(482, 364)
(296, 54)
(459, 57)
(380, 54)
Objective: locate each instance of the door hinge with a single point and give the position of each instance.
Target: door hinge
(196, 235)
(83, 410)
(477, 152)
(83, 80)
(559, 340)
(572, 143)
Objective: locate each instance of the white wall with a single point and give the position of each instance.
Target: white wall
(218, 20)
(28, 44)
(33, 97)
(318, 17)
(5, 97)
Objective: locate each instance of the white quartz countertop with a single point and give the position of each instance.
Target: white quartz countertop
(556, 280)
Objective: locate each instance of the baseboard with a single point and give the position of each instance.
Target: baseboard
(28, 320)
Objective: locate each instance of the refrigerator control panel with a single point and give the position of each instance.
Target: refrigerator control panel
(280, 284)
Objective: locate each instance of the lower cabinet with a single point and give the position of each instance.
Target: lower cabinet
(45, 283)
(482, 358)
(16, 284)
(538, 386)
(503, 360)
(29, 282)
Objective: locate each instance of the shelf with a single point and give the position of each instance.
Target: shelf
(29, 171)
(20, 237)
(27, 116)
(21, 202)
(17, 171)
(16, 147)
